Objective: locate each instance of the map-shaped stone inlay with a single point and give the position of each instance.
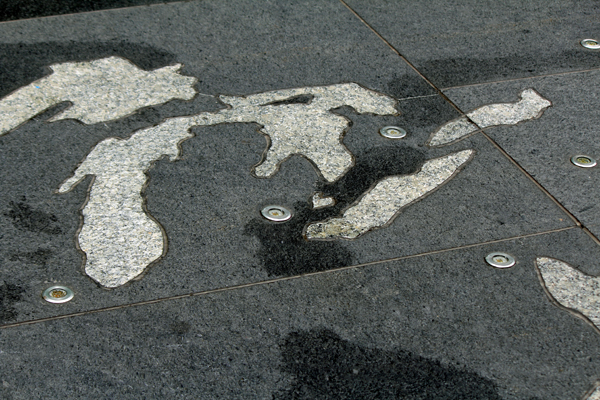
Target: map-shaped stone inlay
(531, 106)
(120, 238)
(381, 204)
(319, 200)
(571, 288)
(100, 90)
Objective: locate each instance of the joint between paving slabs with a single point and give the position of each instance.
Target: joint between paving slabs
(270, 281)
(447, 99)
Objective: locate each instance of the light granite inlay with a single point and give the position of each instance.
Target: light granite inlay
(571, 288)
(595, 395)
(100, 90)
(120, 238)
(382, 203)
(319, 200)
(530, 106)
(309, 128)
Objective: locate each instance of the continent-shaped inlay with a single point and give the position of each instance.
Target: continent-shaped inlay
(119, 237)
(530, 106)
(380, 205)
(100, 90)
(571, 288)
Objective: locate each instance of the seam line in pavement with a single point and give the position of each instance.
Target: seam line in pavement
(282, 279)
(521, 79)
(543, 189)
(439, 92)
(512, 160)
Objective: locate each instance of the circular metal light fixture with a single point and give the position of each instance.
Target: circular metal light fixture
(392, 132)
(500, 260)
(276, 213)
(58, 294)
(583, 161)
(590, 44)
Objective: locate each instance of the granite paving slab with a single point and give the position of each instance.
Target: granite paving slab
(208, 204)
(568, 128)
(165, 200)
(443, 326)
(458, 43)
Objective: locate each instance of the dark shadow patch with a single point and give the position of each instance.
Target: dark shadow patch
(285, 252)
(21, 64)
(324, 366)
(300, 99)
(38, 257)
(464, 71)
(370, 167)
(9, 295)
(283, 249)
(25, 218)
(11, 10)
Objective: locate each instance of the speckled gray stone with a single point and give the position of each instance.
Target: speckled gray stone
(595, 395)
(100, 90)
(120, 239)
(530, 106)
(311, 130)
(571, 288)
(320, 201)
(381, 204)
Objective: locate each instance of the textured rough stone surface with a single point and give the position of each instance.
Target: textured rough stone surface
(531, 106)
(381, 204)
(100, 90)
(571, 288)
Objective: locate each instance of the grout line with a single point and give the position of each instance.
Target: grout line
(543, 189)
(276, 280)
(439, 92)
(443, 95)
(521, 79)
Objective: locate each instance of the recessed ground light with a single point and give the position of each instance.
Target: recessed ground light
(590, 44)
(392, 132)
(583, 161)
(500, 260)
(58, 294)
(276, 213)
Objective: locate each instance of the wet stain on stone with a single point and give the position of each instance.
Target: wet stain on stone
(25, 218)
(38, 257)
(372, 166)
(180, 327)
(284, 251)
(300, 99)
(9, 295)
(324, 366)
(21, 64)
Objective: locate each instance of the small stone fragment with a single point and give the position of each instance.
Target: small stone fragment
(319, 200)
